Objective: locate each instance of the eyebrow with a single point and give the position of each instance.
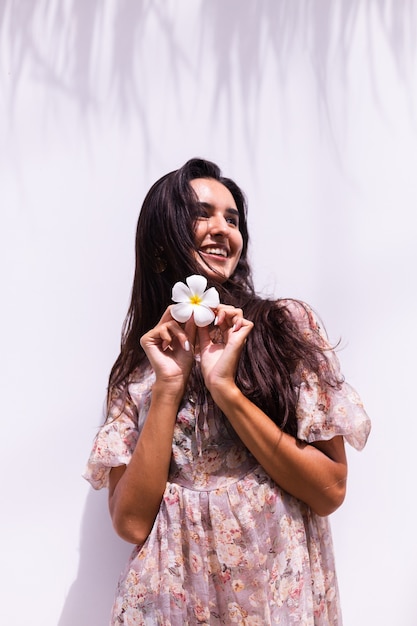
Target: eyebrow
(207, 205)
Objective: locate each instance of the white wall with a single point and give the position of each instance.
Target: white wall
(311, 107)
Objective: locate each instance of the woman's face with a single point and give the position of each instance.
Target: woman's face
(217, 235)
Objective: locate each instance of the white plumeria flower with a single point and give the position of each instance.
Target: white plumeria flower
(192, 299)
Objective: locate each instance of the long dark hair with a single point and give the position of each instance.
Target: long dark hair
(166, 253)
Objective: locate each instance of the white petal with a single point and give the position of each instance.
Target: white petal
(182, 311)
(202, 315)
(211, 298)
(197, 284)
(180, 292)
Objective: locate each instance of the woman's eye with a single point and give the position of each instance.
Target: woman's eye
(201, 213)
(232, 220)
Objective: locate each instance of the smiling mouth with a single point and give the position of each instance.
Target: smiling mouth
(219, 252)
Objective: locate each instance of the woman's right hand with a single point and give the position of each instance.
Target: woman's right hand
(169, 348)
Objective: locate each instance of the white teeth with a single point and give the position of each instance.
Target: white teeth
(218, 251)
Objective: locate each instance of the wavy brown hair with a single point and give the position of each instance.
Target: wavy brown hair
(166, 252)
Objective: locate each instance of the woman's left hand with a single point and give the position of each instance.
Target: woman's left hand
(219, 359)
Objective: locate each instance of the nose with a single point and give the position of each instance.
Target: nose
(218, 225)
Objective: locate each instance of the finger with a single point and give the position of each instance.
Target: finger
(165, 335)
(190, 330)
(228, 317)
(237, 335)
(203, 337)
(187, 337)
(179, 334)
(243, 331)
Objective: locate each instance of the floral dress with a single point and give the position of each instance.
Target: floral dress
(228, 545)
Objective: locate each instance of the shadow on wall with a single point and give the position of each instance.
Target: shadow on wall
(65, 47)
(102, 557)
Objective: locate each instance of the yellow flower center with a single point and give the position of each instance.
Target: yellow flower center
(196, 299)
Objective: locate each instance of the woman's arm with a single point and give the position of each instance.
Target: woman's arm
(136, 490)
(316, 474)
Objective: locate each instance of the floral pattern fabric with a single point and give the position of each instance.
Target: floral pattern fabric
(228, 547)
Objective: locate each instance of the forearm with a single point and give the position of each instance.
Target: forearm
(136, 493)
(315, 476)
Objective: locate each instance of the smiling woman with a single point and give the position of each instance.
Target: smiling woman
(218, 238)
(223, 445)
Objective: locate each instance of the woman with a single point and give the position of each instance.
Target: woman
(223, 446)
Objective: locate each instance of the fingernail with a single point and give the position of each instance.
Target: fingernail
(233, 328)
(186, 346)
(216, 319)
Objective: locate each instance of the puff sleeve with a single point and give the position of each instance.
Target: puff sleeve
(115, 441)
(323, 410)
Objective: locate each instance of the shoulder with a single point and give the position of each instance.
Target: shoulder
(289, 317)
(297, 308)
(129, 394)
(304, 316)
(140, 382)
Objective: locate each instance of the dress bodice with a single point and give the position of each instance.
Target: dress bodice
(206, 452)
